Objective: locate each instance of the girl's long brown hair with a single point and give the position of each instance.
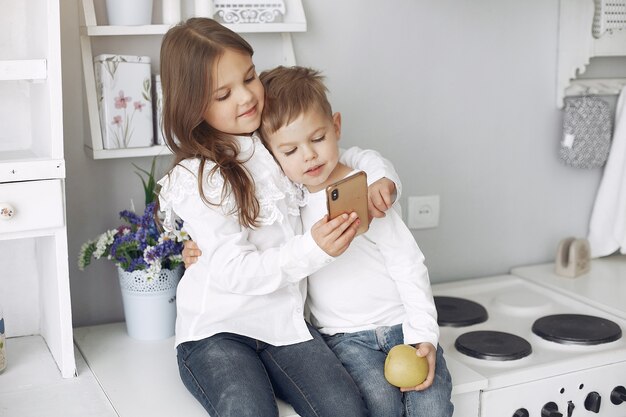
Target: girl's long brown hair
(188, 53)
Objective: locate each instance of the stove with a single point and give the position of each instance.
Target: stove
(604, 286)
(540, 352)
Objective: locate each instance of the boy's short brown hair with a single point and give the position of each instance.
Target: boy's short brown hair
(289, 92)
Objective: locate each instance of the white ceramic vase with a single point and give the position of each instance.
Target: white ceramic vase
(150, 305)
(129, 12)
(171, 11)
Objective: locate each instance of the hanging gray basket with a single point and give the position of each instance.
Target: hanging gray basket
(587, 128)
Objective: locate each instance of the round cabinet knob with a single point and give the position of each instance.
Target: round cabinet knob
(521, 412)
(551, 410)
(592, 402)
(6, 211)
(618, 395)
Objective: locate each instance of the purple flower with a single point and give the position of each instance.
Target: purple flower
(139, 245)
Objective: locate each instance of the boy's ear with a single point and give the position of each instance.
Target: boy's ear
(337, 124)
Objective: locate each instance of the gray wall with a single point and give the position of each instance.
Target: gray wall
(460, 95)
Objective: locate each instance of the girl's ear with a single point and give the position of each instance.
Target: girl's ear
(337, 124)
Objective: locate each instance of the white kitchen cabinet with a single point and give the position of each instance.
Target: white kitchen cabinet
(34, 281)
(146, 40)
(577, 45)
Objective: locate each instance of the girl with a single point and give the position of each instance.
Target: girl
(240, 333)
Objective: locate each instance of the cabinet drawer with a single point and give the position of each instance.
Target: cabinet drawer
(34, 205)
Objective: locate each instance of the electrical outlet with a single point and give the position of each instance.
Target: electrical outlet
(423, 212)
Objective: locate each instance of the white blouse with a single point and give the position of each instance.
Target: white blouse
(248, 281)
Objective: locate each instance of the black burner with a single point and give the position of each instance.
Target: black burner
(492, 345)
(577, 329)
(459, 312)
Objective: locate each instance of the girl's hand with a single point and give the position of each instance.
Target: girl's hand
(334, 236)
(430, 352)
(380, 197)
(190, 253)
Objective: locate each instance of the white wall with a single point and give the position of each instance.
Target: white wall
(458, 94)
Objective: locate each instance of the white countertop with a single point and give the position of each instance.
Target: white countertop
(604, 286)
(140, 378)
(32, 386)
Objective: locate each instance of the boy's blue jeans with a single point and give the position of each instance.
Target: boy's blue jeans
(364, 353)
(233, 375)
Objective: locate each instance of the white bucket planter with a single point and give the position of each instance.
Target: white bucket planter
(150, 305)
(129, 12)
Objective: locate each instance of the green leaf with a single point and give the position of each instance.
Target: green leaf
(148, 181)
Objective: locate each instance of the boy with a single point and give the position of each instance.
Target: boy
(377, 294)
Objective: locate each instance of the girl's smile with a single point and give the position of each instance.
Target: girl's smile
(250, 113)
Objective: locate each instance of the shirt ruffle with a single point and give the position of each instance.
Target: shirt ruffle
(271, 185)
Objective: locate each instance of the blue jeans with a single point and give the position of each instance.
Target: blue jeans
(233, 375)
(364, 353)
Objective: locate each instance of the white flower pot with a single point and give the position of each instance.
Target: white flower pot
(150, 305)
(129, 12)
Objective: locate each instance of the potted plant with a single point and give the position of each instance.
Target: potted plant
(149, 263)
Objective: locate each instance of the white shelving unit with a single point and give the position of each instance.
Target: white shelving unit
(294, 20)
(577, 45)
(34, 282)
(599, 86)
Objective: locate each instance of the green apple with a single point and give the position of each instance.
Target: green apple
(403, 368)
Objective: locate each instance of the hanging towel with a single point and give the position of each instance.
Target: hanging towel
(607, 228)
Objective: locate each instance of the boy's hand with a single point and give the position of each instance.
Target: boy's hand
(430, 352)
(334, 236)
(190, 253)
(380, 197)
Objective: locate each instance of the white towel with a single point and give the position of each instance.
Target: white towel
(607, 228)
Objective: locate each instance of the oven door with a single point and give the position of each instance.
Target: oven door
(572, 394)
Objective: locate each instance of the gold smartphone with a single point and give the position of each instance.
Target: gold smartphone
(348, 195)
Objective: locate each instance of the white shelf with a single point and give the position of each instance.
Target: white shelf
(596, 86)
(294, 20)
(156, 150)
(29, 69)
(162, 29)
(22, 166)
(142, 30)
(576, 46)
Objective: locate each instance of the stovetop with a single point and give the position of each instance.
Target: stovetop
(513, 304)
(604, 286)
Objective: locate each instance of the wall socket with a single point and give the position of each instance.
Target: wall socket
(423, 212)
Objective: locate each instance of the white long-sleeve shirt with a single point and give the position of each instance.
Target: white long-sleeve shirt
(247, 281)
(380, 280)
